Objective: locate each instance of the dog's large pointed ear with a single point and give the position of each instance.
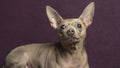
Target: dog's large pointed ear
(53, 16)
(87, 14)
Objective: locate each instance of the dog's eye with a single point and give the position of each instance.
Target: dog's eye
(62, 27)
(79, 25)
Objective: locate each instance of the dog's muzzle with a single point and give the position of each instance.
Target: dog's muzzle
(72, 36)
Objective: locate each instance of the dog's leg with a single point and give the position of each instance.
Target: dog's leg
(18, 58)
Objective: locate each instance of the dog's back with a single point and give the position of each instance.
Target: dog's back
(29, 54)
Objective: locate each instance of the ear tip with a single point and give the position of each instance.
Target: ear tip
(47, 7)
(92, 3)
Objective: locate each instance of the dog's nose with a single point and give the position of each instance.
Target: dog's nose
(70, 32)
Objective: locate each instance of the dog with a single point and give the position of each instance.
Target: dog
(69, 52)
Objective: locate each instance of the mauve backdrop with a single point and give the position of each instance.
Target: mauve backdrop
(25, 21)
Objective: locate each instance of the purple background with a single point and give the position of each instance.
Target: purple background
(25, 21)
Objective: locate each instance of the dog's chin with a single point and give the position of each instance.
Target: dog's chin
(73, 40)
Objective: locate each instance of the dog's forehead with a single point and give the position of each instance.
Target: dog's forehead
(72, 21)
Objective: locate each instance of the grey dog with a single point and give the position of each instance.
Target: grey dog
(69, 52)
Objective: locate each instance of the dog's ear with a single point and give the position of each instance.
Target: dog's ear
(53, 16)
(87, 14)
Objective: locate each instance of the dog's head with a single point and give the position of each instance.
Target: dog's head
(71, 30)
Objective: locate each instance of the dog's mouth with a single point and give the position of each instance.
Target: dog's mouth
(72, 40)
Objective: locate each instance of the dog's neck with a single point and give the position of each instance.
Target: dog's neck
(71, 48)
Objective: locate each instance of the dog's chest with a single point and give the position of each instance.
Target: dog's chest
(71, 62)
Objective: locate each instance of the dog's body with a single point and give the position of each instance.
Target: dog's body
(69, 52)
